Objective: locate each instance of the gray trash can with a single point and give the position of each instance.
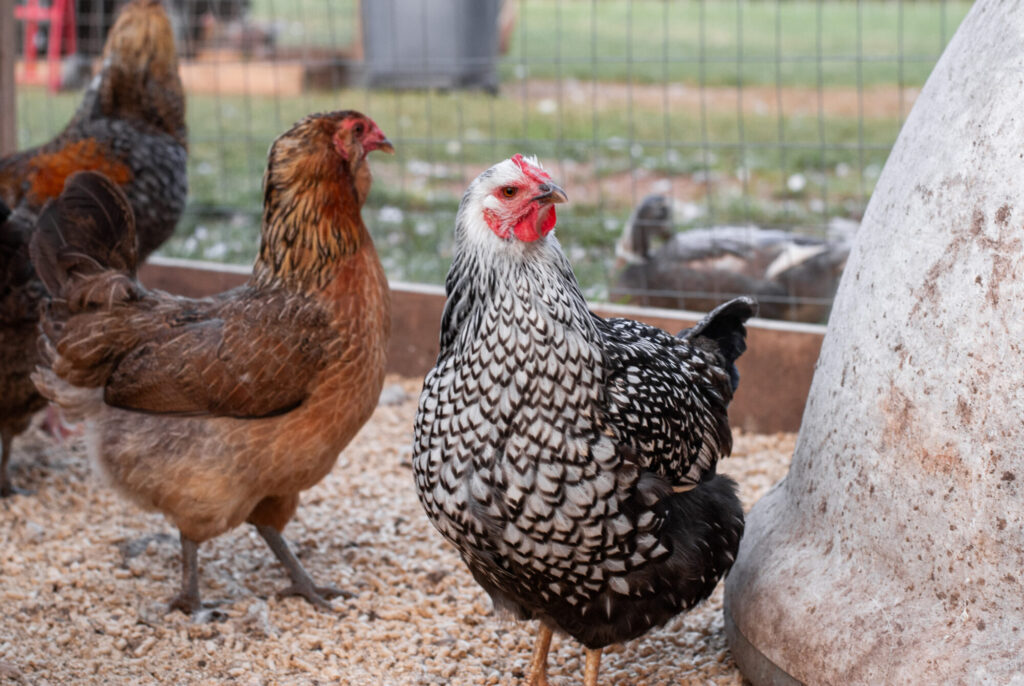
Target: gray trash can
(431, 43)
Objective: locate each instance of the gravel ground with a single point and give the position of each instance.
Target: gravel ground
(86, 578)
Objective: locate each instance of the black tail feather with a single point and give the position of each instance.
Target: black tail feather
(702, 529)
(89, 229)
(724, 326)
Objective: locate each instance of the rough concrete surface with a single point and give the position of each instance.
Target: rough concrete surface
(893, 552)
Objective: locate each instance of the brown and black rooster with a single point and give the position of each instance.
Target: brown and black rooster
(221, 411)
(131, 127)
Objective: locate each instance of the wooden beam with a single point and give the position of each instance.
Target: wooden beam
(8, 131)
(776, 370)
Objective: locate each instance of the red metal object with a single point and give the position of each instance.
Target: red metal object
(61, 16)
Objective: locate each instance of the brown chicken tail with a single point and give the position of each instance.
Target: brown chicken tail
(76, 402)
(83, 248)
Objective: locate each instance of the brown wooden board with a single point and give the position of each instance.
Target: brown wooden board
(775, 372)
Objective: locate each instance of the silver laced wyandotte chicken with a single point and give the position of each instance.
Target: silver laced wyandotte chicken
(571, 459)
(222, 410)
(130, 125)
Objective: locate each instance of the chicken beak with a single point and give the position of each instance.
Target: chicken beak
(550, 194)
(385, 145)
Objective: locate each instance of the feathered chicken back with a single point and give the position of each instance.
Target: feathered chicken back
(241, 363)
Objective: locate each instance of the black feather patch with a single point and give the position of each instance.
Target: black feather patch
(724, 326)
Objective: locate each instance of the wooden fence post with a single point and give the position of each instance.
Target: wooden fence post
(8, 131)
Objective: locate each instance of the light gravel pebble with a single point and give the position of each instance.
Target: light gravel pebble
(85, 578)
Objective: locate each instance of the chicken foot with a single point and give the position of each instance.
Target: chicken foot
(56, 426)
(188, 600)
(302, 584)
(6, 487)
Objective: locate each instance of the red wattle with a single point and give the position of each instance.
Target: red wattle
(549, 222)
(531, 228)
(526, 231)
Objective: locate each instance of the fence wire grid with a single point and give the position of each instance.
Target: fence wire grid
(708, 148)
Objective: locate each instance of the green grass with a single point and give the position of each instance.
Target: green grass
(444, 140)
(733, 42)
(714, 41)
(733, 169)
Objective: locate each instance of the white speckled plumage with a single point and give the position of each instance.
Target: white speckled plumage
(569, 458)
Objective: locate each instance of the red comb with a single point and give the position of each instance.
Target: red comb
(531, 170)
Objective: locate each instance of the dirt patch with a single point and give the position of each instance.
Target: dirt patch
(878, 102)
(86, 579)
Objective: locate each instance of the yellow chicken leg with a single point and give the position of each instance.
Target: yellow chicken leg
(593, 664)
(539, 662)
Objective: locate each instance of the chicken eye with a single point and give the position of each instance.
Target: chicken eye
(358, 129)
(509, 191)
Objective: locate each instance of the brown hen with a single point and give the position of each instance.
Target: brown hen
(130, 125)
(222, 410)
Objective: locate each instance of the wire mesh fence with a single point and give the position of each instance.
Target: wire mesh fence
(707, 147)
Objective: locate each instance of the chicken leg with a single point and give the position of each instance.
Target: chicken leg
(187, 599)
(302, 585)
(539, 661)
(593, 664)
(6, 487)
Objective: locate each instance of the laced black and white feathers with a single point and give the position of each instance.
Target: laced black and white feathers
(571, 459)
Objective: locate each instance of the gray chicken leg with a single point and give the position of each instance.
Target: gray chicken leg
(302, 584)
